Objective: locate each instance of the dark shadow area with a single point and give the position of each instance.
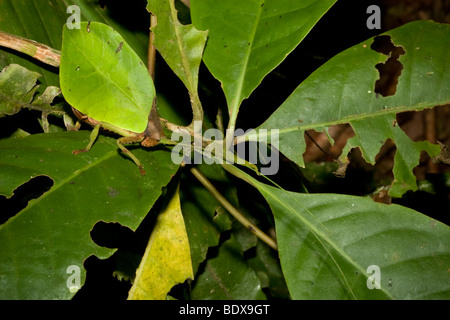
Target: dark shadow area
(32, 189)
(130, 14)
(112, 235)
(100, 283)
(432, 202)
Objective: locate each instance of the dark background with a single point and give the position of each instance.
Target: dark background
(342, 27)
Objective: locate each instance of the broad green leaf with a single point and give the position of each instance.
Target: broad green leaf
(102, 77)
(248, 39)
(228, 277)
(181, 46)
(328, 243)
(52, 233)
(343, 91)
(167, 258)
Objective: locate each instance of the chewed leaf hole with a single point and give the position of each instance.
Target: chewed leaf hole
(32, 189)
(112, 235)
(390, 70)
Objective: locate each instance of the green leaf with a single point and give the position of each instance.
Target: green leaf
(266, 264)
(167, 258)
(343, 91)
(248, 39)
(102, 77)
(52, 233)
(181, 46)
(17, 88)
(228, 277)
(327, 242)
(45, 100)
(202, 212)
(198, 209)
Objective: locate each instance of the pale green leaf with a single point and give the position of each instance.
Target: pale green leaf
(102, 77)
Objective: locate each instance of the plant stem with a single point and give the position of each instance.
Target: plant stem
(197, 109)
(151, 48)
(219, 121)
(232, 210)
(32, 48)
(154, 121)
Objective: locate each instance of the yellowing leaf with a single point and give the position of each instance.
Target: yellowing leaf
(167, 258)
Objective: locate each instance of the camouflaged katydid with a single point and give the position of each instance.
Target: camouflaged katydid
(108, 86)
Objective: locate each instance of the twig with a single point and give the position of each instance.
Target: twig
(151, 47)
(430, 135)
(316, 143)
(219, 121)
(232, 210)
(32, 48)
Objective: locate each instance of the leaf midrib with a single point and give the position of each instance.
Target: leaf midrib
(181, 49)
(253, 135)
(108, 77)
(59, 184)
(322, 236)
(261, 187)
(237, 98)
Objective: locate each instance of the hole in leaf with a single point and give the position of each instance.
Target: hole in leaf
(183, 12)
(32, 189)
(391, 70)
(100, 282)
(112, 235)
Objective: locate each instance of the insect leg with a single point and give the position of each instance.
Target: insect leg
(126, 140)
(92, 138)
